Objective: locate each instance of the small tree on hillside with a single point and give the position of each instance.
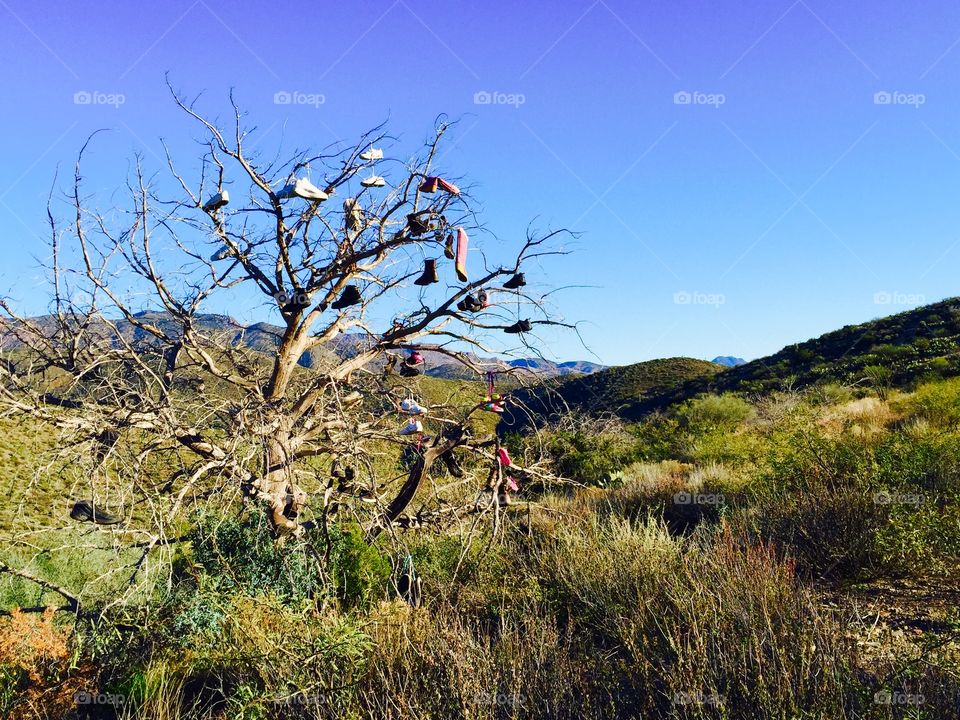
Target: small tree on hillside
(171, 413)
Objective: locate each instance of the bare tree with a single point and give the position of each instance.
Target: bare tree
(185, 412)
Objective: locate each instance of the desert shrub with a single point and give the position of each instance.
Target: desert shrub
(936, 402)
(710, 413)
(34, 652)
(235, 554)
(358, 570)
(589, 451)
(659, 437)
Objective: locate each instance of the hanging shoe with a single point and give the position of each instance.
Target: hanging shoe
(372, 154)
(470, 304)
(217, 201)
(461, 256)
(349, 296)
(448, 186)
(409, 370)
(453, 465)
(512, 484)
(86, 511)
(483, 299)
(505, 499)
(417, 225)
(521, 326)
(429, 275)
(303, 188)
(430, 185)
(410, 407)
(373, 181)
(517, 281)
(415, 358)
(504, 457)
(448, 247)
(222, 254)
(352, 214)
(414, 427)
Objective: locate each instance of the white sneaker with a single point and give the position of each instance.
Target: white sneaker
(372, 154)
(302, 188)
(373, 181)
(412, 408)
(222, 254)
(414, 427)
(217, 201)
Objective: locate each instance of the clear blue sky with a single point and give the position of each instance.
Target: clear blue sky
(784, 200)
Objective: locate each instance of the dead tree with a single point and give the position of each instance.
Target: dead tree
(128, 363)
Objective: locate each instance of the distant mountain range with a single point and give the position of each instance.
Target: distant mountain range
(264, 337)
(728, 361)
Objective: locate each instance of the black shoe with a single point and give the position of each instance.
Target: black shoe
(453, 466)
(448, 247)
(429, 275)
(418, 226)
(336, 470)
(410, 370)
(349, 296)
(520, 326)
(88, 512)
(517, 281)
(470, 304)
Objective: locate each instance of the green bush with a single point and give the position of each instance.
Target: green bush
(936, 402)
(709, 413)
(233, 553)
(358, 570)
(590, 454)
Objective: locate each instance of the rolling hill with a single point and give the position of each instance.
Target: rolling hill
(909, 346)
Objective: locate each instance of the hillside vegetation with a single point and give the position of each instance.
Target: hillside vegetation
(895, 351)
(771, 554)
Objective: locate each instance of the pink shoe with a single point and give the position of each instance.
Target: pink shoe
(504, 457)
(512, 484)
(461, 262)
(448, 186)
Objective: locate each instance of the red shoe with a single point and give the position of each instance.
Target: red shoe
(430, 185)
(503, 456)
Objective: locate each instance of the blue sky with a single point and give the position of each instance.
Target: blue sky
(744, 174)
